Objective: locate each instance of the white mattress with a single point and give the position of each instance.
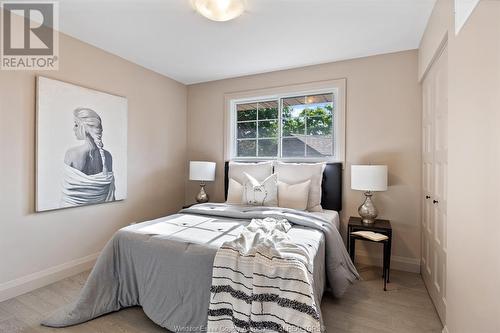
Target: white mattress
(330, 215)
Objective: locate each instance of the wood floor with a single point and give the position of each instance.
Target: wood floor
(404, 307)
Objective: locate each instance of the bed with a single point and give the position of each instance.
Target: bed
(165, 265)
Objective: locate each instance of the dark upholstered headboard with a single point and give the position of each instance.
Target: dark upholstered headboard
(331, 197)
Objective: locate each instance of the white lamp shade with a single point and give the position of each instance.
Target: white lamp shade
(369, 177)
(204, 171)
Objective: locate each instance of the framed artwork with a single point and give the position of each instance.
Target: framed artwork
(81, 146)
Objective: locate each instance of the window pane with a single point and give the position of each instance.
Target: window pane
(320, 98)
(268, 147)
(294, 126)
(291, 102)
(268, 110)
(247, 130)
(308, 99)
(246, 111)
(319, 125)
(293, 111)
(314, 105)
(293, 147)
(247, 148)
(268, 129)
(320, 110)
(318, 146)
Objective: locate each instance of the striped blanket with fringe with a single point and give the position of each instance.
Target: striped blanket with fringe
(262, 282)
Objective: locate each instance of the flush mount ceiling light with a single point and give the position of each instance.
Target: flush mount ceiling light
(219, 10)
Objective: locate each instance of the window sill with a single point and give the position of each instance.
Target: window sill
(290, 159)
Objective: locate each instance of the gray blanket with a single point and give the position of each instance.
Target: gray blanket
(165, 265)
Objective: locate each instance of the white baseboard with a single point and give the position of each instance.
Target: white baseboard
(399, 263)
(43, 278)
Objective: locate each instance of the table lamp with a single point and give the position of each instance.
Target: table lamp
(368, 178)
(203, 172)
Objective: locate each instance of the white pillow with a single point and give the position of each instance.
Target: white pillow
(260, 171)
(293, 196)
(234, 192)
(294, 173)
(264, 193)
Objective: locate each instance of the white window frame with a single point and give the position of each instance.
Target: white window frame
(337, 87)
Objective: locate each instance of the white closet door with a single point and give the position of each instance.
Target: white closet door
(434, 175)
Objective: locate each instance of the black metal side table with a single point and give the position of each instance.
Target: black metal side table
(381, 227)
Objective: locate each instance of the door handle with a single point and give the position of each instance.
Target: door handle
(427, 197)
(435, 201)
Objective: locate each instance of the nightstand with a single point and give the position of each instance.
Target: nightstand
(381, 227)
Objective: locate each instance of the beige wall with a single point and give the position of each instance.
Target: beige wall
(473, 265)
(435, 33)
(474, 177)
(34, 242)
(383, 126)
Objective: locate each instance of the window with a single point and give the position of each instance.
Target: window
(257, 129)
(307, 126)
(289, 126)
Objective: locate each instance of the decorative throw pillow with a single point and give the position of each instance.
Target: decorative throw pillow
(237, 178)
(264, 193)
(294, 173)
(293, 196)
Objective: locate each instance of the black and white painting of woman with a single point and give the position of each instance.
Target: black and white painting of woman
(81, 143)
(88, 172)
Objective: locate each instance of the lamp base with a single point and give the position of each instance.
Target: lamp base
(367, 210)
(202, 196)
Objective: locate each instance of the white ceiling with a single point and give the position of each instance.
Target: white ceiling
(169, 37)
